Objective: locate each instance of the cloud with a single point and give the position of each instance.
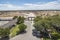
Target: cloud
(9, 7)
(49, 5)
(30, 6)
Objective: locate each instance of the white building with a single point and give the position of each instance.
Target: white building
(30, 16)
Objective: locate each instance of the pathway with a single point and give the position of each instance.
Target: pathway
(28, 35)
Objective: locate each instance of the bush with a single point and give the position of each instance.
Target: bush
(4, 32)
(15, 17)
(17, 29)
(37, 18)
(40, 25)
(22, 27)
(20, 20)
(56, 35)
(14, 31)
(51, 22)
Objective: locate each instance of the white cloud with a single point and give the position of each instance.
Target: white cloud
(9, 7)
(30, 6)
(49, 5)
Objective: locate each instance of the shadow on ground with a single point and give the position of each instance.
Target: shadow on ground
(23, 32)
(5, 38)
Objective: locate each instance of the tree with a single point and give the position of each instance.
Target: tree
(20, 20)
(15, 17)
(22, 27)
(40, 25)
(50, 22)
(4, 32)
(37, 18)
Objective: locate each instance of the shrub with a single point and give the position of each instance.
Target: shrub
(17, 29)
(15, 17)
(4, 32)
(20, 20)
(37, 18)
(22, 27)
(14, 31)
(51, 22)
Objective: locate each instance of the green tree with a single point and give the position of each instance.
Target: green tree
(40, 25)
(20, 20)
(22, 27)
(15, 17)
(50, 22)
(4, 32)
(37, 18)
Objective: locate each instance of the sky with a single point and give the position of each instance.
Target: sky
(29, 4)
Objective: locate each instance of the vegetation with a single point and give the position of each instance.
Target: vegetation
(17, 29)
(37, 18)
(20, 20)
(4, 32)
(49, 25)
(15, 17)
(14, 31)
(20, 27)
